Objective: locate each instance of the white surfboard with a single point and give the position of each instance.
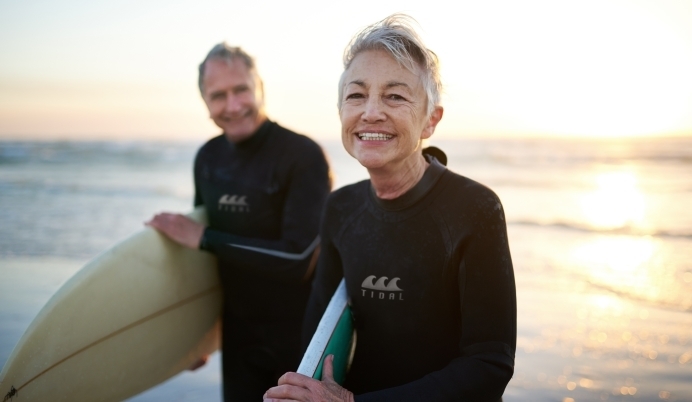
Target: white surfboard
(334, 335)
(135, 316)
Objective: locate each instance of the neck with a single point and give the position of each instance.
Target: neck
(390, 183)
(239, 138)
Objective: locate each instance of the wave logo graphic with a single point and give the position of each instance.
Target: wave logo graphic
(382, 288)
(234, 203)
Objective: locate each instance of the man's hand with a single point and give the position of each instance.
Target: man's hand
(199, 363)
(178, 228)
(297, 387)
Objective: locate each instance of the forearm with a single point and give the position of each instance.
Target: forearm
(479, 377)
(290, 259)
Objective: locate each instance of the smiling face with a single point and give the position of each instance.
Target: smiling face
(383, 112)
(234, 98)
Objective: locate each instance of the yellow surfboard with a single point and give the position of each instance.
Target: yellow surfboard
(138, 314)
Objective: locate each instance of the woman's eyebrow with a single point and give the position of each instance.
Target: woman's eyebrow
(360, 83)
(393, 84)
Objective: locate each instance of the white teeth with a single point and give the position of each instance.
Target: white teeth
(374, 136)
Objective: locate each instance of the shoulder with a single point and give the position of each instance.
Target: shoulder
(470, 197)
(343, 206)
(355, 193)
(347, 200)
(469, 187)
(211, 145)
(293, 140)
(296, 150)
(209, 148)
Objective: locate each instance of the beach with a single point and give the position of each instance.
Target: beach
(600, 233)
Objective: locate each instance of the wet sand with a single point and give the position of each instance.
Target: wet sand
(580, 343)
(576, 342)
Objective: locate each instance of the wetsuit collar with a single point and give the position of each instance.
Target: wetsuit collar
(430, 177)
(255, 140)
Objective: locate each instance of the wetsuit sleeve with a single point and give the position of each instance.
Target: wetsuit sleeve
(488, 308)
(198, 194)
(327, 277)
(293, 255)
(198, 197)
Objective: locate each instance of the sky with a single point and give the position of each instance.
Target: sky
(128, 69)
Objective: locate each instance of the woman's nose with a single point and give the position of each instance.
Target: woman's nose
(373, 110)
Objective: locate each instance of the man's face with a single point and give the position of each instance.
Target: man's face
(234, 98)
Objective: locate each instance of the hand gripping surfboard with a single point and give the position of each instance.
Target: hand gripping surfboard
(335, 335)
(136, 315)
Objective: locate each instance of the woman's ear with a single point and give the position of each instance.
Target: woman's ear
(434, 118)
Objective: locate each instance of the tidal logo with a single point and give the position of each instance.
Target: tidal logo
(381, 289)
(234, 203)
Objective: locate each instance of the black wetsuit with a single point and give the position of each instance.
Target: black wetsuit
(264, 197)
(430, 279)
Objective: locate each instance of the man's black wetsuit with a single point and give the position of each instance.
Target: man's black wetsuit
(430, 279)
(264, 197)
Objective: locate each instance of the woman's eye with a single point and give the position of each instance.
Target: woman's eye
(396, 97)
(354, 96)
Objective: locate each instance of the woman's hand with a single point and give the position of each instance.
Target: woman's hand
(297, 387)
(178, 228)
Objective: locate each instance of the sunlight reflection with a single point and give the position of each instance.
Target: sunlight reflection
(606, 302)
(622, 264)
(616, 254)
(616, 203)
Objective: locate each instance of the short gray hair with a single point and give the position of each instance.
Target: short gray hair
(223, 51)
(396, 35)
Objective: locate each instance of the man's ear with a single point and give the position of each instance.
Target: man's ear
(259, 86)
(434, 118)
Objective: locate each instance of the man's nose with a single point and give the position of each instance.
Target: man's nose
(233, 104)
(373, 110)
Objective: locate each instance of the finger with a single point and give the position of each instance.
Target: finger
(296, 379)
(328, 370)
(199, 363)
(287, 392)
(160, 224)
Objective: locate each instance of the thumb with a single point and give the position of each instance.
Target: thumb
(328, 369)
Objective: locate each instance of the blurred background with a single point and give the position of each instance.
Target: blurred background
(578, 114)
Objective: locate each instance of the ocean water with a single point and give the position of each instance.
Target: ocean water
(600, 233)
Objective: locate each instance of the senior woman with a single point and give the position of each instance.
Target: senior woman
(423, 250)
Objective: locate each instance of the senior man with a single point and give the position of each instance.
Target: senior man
(423, 250)
(263, 187)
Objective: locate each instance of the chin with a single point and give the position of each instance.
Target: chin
(371, 162)
(239, 131)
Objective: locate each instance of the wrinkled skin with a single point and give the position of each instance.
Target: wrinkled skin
(234, 98)
(297, 387)
(384, 100)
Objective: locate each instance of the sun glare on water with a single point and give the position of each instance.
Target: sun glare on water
(620, 262)
(615, 255)
(616, 202)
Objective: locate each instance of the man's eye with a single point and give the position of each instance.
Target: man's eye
(240, 90)
(217, 96)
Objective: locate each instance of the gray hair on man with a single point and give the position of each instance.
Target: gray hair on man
(223, 51)
(396, 35)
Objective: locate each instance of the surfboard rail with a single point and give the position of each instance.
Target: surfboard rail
(136, 315)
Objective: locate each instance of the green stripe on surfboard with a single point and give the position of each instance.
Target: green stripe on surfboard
(334, 335)
(340, 346)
